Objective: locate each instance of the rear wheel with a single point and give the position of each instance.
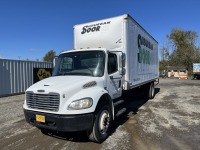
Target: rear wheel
(151, 90)
(102, 124)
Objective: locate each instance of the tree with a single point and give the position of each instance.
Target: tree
(185, 52)
(164, 53)
(164, 62)
(49, 56)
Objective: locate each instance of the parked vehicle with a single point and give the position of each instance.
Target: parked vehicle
(110, 56)
(196, 70)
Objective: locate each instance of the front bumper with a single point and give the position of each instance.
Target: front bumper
(66, 123)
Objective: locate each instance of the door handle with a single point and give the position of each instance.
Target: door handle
(111, 77)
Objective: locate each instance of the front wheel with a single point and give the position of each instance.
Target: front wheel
(102, 124)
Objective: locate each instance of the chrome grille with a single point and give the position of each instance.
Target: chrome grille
(48, 102)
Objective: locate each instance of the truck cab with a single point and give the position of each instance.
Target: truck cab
(79, 96)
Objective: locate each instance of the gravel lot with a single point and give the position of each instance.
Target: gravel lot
(170, 121)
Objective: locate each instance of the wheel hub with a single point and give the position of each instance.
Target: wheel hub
(104, 121)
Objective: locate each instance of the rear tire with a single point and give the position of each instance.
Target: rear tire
(151, 91)
(102, 124)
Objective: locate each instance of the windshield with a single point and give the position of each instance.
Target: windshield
(86, 63)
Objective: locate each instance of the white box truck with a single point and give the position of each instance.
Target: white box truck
(110, 56)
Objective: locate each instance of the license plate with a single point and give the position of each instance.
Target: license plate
(40, 118)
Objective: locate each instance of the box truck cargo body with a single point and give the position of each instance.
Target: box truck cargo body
(126, 35)
(110, 56)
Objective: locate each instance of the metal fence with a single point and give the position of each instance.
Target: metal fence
(17, 75)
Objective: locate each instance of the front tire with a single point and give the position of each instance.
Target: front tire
(102, 124)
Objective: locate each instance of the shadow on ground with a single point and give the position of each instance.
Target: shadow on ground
(134, 99)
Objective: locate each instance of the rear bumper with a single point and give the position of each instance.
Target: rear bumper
(56, 122)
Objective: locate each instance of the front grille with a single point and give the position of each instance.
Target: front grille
(48, 102)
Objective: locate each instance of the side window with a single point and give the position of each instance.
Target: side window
(112, 63)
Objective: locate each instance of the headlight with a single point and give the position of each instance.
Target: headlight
(80, 104)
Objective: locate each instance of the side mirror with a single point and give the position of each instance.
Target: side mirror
(55, 61)
(122, 60)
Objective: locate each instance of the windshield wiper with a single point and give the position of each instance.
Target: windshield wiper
(77, 73)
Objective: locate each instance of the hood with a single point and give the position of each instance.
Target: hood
(61, 83)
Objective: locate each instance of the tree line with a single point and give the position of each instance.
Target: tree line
(184, 50)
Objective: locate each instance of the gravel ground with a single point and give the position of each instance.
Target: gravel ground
(171, 121)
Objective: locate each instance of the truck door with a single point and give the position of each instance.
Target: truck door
(114, 80)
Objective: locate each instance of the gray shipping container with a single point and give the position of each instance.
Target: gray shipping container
(17, 75)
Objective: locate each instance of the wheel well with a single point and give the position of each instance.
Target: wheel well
(105, 99)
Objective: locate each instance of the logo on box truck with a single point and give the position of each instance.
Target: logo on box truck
(93, 27)
(144, 54)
